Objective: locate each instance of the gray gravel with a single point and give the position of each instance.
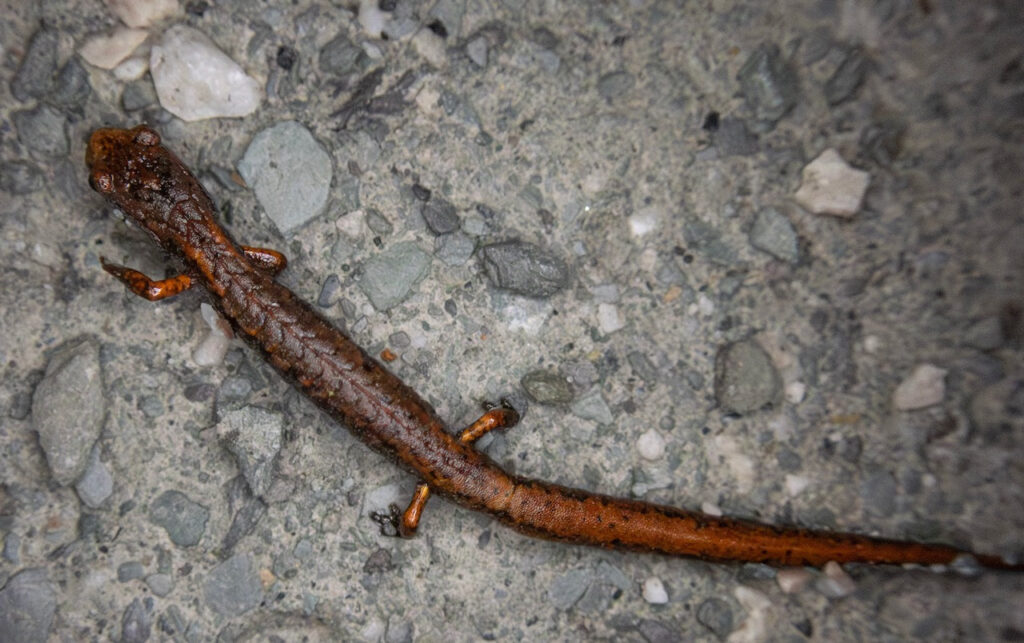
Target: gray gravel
(585, 206)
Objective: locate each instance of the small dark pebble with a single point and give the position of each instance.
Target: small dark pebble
(378, 562)
(329, 291)
(421, 193)
(35, 75)
(524, 268)
(440, 216)
(286, 57)
(716, 615)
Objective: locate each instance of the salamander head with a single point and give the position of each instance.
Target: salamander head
(116, 158)
(131, 169)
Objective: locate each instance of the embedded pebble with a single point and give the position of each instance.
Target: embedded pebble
(986, 334)
(732, 138)
(96, 484)
(35, 74)
(138, 94)
(650, 445)
(716, 615)
(195, 80)
(132, 68)
(926, 386)
(455, 249)
(524, 268)
(340, 57)
(130, 571)
(71, 86)
(615, 84)
(431, 47)
(106, 51)
(847, 78)
(215, 345)
(160, 584)
(546, 387)
(654, 591)
(793, 580)
(609, 319)
(756, 625)
(476, 50)
(795, 485)
(137, 621)
(830, 186)
(28, 602)
(773, 233)
(642, 367)
(290, 172)
(769, 84)
(644, 222)
(592, 406)
(68, 408)
(835, 583)
(440, 216)
(142, 13)
(42, 129)
(711, 509)
(233, 587)
(568, 588)
(745, 377)
(879, 492)
(253, 435)
(389, 277)
(795, 392)
(371, 18)
(20, 177)
(184, 520)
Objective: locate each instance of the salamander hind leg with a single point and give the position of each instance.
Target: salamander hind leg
(143, 286)
(404, 523)
(398, 523)
(266, 259)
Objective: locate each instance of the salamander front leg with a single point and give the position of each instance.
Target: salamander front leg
(266, 259)
(145, 287)
(404, 524)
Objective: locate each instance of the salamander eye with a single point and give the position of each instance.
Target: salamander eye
(101, 182)
(147, 137)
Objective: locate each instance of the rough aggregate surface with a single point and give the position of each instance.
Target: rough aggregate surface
(583, 208)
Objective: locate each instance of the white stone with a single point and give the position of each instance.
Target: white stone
(142, 13)
(431, 46)
(215, 345)
(132, 68)
(755, 627)
(371, 18)
(108, 50)
(795, 484)
(608, 318)
(654, 591)
(648, 260)
(836, 583)
(872, 344)
(195, 80)
(830, 186)
(650, 445)
(711, 509)
(644, 222)
(793, 580)
(795, 392)
(705, 306)
(925, 387)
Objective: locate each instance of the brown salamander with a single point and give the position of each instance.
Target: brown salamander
(155, 190)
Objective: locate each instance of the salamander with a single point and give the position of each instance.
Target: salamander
(154, 189)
